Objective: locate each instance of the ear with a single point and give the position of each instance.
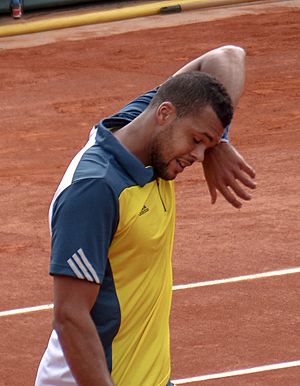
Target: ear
(165, 113)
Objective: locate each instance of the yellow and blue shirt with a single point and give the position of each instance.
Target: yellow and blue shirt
(112, 223)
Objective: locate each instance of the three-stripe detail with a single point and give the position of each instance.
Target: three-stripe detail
(82, 268)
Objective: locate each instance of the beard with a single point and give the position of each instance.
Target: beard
(157, 160)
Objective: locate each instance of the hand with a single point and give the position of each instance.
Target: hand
(223, 167)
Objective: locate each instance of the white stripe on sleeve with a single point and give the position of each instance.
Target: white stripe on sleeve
(75, 269)
(88, 265)
(83, 268)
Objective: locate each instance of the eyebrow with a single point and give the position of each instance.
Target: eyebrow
(211, 139)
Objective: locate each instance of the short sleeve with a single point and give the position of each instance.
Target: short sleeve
(85, 218)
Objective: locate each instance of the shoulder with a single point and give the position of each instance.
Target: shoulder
(88, 195)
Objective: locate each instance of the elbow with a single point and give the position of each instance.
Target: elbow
(63, 321)
(233, 49)
(233, 53)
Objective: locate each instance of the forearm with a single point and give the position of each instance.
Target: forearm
(83, 350)
(227, 64)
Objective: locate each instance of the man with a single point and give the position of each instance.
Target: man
(112, 221)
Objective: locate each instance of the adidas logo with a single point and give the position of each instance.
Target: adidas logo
(144, 210)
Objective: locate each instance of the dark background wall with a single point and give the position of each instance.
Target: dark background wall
(38, 4)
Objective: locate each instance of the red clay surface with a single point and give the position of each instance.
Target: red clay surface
(50, 97)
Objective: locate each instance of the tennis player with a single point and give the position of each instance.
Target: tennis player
(112, 223)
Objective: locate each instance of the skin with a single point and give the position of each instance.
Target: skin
(224, 168)
(227, 64)
(183, 141)
(73, 301)
(157, 137)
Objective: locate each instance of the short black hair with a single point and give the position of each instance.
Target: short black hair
(191, 91)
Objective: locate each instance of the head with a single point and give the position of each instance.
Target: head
(192, 111)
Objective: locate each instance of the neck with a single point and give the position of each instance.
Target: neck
(136, 136)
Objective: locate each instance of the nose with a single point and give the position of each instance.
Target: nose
(198, 152)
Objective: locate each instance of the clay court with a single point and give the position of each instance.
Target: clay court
(56, 85)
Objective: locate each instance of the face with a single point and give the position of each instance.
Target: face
(183, 141)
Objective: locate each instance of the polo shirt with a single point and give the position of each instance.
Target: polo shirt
(112, 223)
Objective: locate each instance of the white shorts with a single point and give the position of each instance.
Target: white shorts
(53, 369)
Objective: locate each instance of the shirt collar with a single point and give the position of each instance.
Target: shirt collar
(133, 166)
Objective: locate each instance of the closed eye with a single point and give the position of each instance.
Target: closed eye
(207, 139)
(197, 141)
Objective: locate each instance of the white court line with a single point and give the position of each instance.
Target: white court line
(238, 278)
(26, 310)
(175, 288)
(235, 373)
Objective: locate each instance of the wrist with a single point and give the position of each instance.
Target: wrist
(225, 136)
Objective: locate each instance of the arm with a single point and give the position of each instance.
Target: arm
(80, 218)
(73, 300)
(223, 166)
(227, 64)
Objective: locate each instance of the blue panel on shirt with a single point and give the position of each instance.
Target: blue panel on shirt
(85, 217)
(106, 314)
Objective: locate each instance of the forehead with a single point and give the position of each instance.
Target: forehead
(207, 120)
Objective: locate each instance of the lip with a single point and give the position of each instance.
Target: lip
(179, 166)
(183, 163)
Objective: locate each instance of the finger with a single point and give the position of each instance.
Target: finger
(212, 190)
(247, 169)
(239, 191)
(230, 197)
(245, 180)
(213, 195)
(211, 187)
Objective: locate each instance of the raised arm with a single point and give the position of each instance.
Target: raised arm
(223, 165)
(227, 64)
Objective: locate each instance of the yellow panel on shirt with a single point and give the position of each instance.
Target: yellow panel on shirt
(140, 258)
